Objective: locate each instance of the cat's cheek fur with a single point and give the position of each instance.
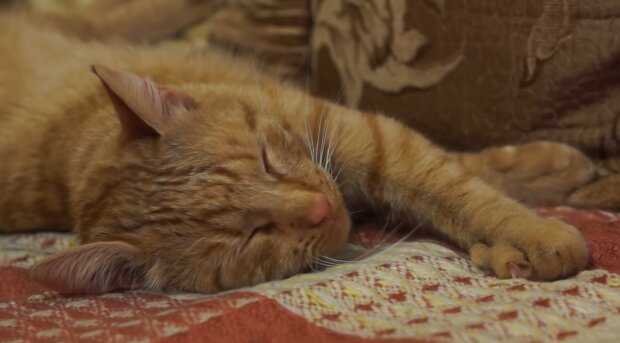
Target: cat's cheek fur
(91, 268)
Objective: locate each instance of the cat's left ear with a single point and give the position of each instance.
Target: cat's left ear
(143, 107)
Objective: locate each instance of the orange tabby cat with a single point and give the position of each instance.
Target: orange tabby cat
(197, 174)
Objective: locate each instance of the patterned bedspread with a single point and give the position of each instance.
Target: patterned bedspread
(418, 291)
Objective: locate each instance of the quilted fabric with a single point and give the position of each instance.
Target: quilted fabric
(417, 291)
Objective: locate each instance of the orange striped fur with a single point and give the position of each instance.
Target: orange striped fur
(217, 177)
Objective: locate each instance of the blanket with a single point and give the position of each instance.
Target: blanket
(418, 291)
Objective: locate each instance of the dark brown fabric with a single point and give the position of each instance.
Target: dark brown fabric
(470, 74)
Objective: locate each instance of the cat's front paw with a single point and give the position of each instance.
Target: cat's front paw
(546, 250)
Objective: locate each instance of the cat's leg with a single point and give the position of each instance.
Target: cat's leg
(382, 160)
(603, 194)
(534, 173)
(135, 20)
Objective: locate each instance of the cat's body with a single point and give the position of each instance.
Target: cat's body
(216, 177)
(53, 109)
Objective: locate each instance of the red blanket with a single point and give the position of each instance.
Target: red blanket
(416, 292)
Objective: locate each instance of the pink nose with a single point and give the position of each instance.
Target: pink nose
(321, 212)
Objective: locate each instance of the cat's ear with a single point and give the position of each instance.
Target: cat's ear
(143, 107)
(91, 268)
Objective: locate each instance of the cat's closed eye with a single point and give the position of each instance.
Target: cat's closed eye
(263, 229)
(267, 167)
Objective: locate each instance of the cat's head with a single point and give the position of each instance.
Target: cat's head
(209, 190)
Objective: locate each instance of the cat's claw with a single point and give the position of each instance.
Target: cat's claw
(545, 250)
(518, 271)
(505, 260)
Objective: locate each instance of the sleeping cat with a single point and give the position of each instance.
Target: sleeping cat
(196, 173)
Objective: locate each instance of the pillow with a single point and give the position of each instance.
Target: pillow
(470, 74)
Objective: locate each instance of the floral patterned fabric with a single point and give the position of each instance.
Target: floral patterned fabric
(473, 74)
(418, 292)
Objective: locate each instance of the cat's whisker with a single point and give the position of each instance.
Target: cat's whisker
(340, 167)
(377, 240)
(335, 261)
(318, 142)
(324, 263)
(309, 263)
(405, 237)
(331, 148)
(381, 237)
(332, 166)
(330, 153)
(309, 140)
(258, 90)
(312, 146)
(339, 95)
(323, 136)
(323, 259)
(380, 242)
(306, 112)
(317, 265)
(320, 264)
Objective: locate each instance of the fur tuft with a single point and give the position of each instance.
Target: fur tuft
(91, 269)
